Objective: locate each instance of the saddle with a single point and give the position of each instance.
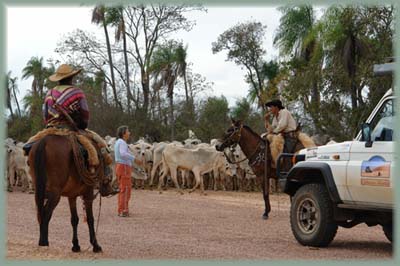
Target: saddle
(91, 154)
(287, 142)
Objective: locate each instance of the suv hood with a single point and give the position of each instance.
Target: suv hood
(337, 151)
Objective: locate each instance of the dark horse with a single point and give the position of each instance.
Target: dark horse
(55, 174)
(258, 153)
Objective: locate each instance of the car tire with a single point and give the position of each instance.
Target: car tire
(311, 216)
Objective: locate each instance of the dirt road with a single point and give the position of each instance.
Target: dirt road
(221, 225)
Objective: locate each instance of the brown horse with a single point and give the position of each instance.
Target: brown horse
(55, 174)
(258, 153)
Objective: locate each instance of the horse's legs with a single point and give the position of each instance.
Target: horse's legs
(90, 221)
(265, 189)
(74, 223)
(52, 200)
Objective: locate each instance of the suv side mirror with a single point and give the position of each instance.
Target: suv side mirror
(366, 134)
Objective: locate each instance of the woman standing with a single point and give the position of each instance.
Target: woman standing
(123, 169)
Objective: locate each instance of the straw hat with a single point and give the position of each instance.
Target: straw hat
(64, 71)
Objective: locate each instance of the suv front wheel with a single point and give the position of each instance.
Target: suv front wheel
(311, 216)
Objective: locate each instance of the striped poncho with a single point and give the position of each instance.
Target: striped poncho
(72, 100)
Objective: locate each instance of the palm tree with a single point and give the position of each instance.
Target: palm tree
(298, 37)
(181, 54)
(295, 25)
(348, 44)
(115, 16)
(166, 67)
(99, 17)
(35, 68)
(8, 93)
(13, 90)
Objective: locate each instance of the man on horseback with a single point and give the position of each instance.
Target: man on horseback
(65, 97)
(283, 134)
(282, 121)
(65, 109)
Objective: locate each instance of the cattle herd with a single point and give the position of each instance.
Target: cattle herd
(189, 164)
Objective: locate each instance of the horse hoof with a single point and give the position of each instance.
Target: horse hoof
(97, 249)
(76, 248)
(44, 243)
(265, 216)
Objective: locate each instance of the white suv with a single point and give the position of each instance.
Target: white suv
(347, 183)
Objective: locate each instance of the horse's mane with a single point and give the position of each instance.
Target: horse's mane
(252, 132)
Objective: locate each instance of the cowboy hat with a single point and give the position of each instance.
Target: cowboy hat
(276, 103)
(64, 71)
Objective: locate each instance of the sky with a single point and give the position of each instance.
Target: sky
(47, 25)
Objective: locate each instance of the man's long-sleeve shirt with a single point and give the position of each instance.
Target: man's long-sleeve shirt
(284, 122)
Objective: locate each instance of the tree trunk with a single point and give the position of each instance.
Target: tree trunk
(146, 92)
(16, 100)
(186, 87)
(128, 87)
(117, 102)
(171, 115)
(104, 100)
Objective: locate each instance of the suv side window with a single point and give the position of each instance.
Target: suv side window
(383, 123)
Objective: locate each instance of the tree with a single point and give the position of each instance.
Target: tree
(115, 16)
(99, 17)
(8, 93)
(146, 26)
(166, 67)
(213, 118)
(35, 68)
(348, 44)
(244, 46)
(12, 90)
(298, 40)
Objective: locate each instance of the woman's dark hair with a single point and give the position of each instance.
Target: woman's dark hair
(121, 131)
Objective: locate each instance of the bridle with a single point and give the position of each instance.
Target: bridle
(238, 132)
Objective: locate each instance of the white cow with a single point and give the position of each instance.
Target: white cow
(143, 152)
(8, 142)
(199, 161)
(17, 166)
(158, 149)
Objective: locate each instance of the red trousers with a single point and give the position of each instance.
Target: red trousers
(124, 173)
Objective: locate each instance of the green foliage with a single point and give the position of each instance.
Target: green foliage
(330, 71)
(244, 46)
(213, 119)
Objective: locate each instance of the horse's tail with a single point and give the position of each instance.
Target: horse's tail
(40, 174)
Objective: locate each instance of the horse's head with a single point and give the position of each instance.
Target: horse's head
(231, 135)
(105, 187)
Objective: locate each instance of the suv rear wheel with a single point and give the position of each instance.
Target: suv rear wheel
(311, 216)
